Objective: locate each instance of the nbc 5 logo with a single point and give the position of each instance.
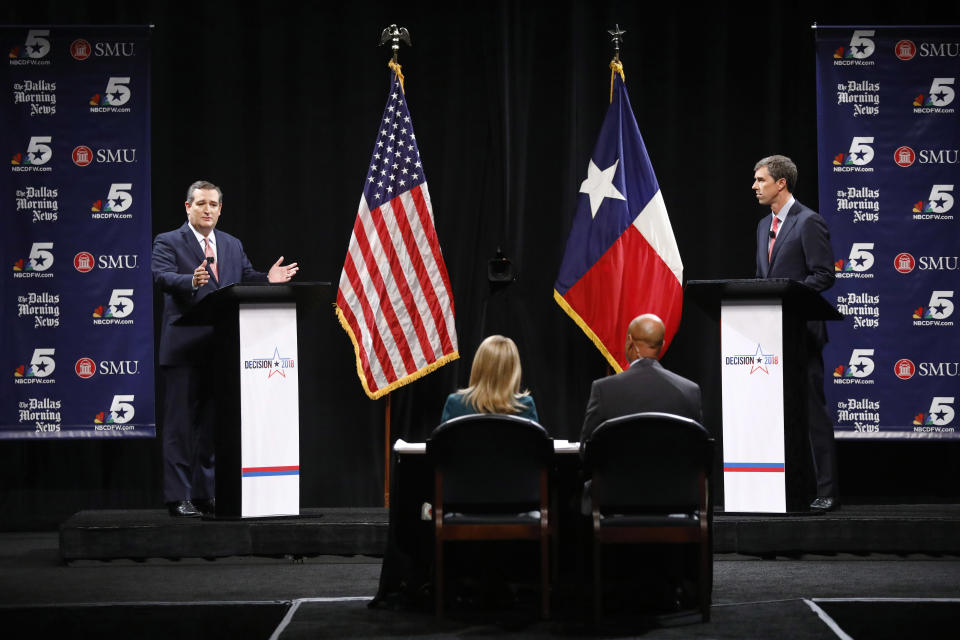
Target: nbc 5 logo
(42, 363)
(117, 91)
(861, 46)
(39, 151)
(940, 306)
(119, 198)
(861, 152)
(121, 303)
(861, 258)
(121, 409)
(36, 45)
(40, 258)
(941, 198)
(941, 412)
(861, 363)
(941, 92)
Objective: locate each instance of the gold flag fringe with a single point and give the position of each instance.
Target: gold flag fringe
(589, 332)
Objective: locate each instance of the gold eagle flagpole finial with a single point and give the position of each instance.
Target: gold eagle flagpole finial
(396, 35)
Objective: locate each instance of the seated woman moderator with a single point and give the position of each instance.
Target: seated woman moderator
(494, 384)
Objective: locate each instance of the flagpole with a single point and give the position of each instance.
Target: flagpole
(394, 35)
(386, 453)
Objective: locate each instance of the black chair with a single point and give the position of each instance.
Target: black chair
(650, 481)
(491, 483)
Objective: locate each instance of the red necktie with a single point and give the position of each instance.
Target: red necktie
(212, 265)
(773, 238)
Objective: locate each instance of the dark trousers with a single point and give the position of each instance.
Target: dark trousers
(189, 418)
(822, 443)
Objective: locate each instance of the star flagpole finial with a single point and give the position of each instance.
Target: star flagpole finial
(616, 67)
(616, 37)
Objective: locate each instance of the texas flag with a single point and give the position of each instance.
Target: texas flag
(621, 258)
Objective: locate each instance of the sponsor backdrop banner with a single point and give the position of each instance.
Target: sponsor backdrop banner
(76, 334)
(889, 139)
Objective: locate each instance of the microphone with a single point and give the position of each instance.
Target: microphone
(773, 234)
(211, 259)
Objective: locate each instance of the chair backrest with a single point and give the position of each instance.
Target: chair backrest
(490, 461)
(647, 462)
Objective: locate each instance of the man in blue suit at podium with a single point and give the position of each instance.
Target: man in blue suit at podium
(188, 264)
(794, 243)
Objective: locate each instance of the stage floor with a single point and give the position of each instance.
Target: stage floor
(141, 534)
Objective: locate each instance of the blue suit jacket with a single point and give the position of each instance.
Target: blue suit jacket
(802, 252)
(175, 255)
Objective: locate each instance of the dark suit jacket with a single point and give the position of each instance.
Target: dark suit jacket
(802, 252)
(645, 386)
(175, 255)
(456, 407)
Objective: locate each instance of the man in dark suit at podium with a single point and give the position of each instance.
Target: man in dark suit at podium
(188, 264)
(794, 243)
(644, 386)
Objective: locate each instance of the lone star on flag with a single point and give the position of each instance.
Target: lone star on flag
(599, 185)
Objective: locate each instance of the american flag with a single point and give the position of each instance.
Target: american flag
(394, 299)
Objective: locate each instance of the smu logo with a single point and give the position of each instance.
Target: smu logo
(905, 50)
(87, 368)
(904, 156)
(904, 369)
(84, 262)
(82, 50)
(904, 263)
(84, 156)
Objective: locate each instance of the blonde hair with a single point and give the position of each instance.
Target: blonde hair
(495, 377)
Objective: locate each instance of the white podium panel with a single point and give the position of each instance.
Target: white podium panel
(751, 344)
(269, 410)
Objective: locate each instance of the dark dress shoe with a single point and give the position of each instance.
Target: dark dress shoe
(182, 509)
(207, 506)
(823, 504)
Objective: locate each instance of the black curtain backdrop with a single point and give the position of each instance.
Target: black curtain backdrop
(279, 103)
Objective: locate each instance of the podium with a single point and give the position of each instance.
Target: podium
(257, 394)
(762, 353)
